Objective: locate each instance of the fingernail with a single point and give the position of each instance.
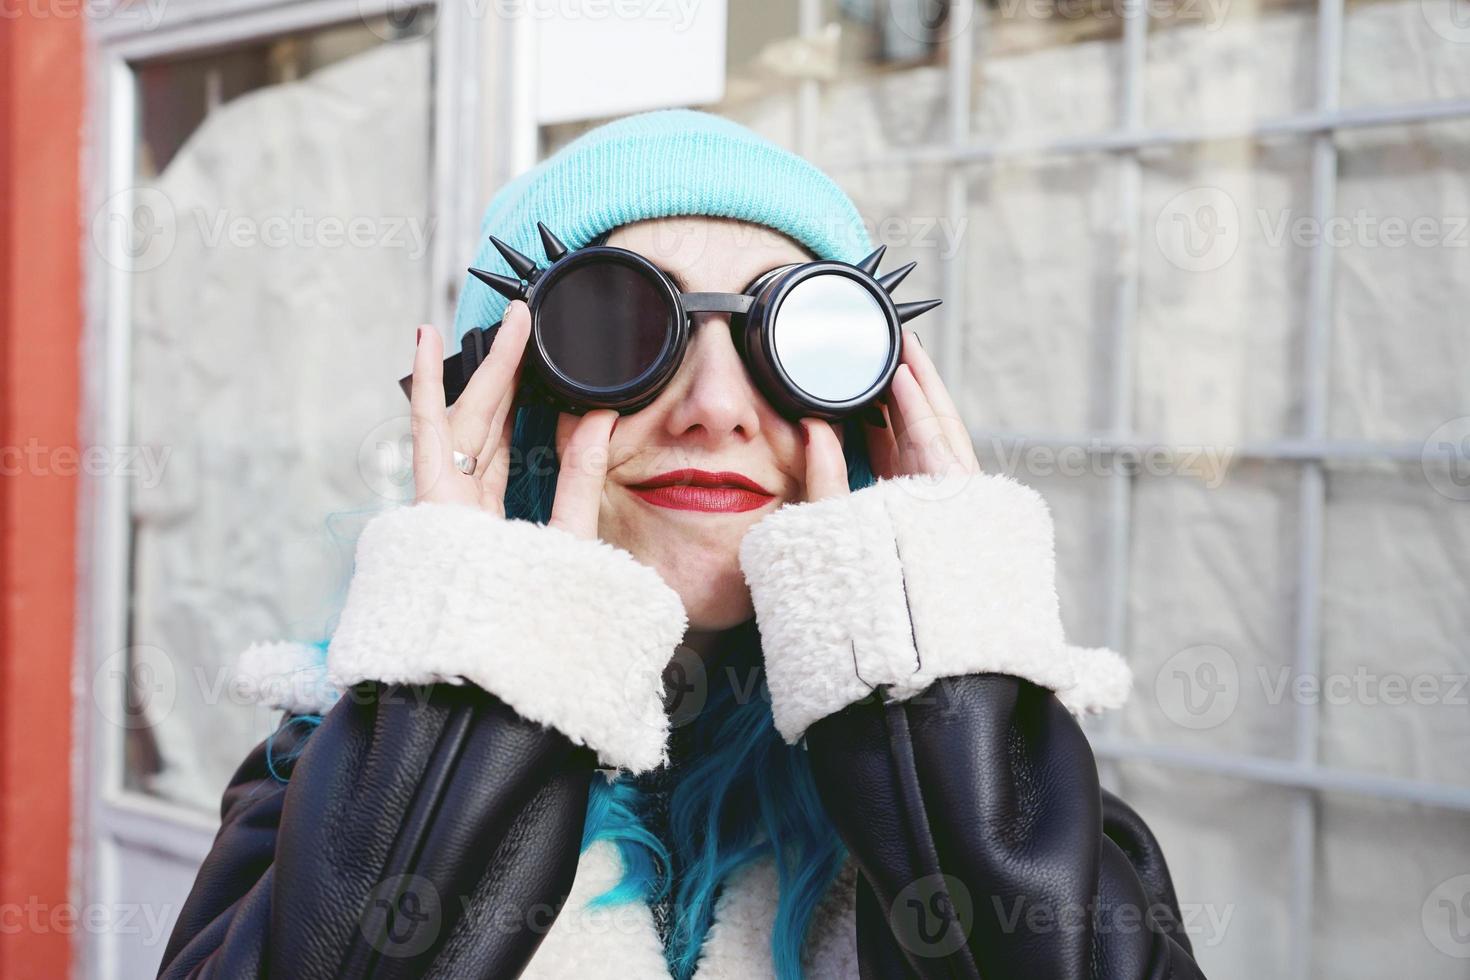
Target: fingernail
(418, 336)
(916, 337)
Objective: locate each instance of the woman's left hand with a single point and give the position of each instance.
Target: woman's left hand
(925, 434)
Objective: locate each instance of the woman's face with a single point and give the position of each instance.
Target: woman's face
(710, 418)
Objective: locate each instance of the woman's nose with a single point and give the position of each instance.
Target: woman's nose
(714, 395)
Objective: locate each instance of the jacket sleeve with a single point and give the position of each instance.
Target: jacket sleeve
(912, 638)
(481, 673)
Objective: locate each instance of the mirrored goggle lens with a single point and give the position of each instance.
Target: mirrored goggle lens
(831, 337)
(604, 324)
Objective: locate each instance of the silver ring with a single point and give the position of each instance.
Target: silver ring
(464, 463)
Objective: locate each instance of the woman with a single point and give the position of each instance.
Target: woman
(806, 711)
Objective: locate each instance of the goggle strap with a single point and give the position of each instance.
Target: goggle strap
(460, 365)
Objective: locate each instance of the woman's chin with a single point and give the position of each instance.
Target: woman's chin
(701, 562)
(714, 603)
(716, 617)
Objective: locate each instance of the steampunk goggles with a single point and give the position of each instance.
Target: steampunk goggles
(609, 330)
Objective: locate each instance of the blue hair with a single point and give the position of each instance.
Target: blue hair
(279, 766)
(743, 796)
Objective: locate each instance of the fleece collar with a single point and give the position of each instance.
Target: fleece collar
(620, 942)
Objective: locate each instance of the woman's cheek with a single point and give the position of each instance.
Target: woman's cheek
(618, 522)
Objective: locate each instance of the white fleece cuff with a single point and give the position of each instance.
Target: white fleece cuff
(571, 633)
(907, 581)
(286, 675)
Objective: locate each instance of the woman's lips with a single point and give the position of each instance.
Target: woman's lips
(726, 499)
(723, 492)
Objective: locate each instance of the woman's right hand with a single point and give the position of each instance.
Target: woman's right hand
(480, 425)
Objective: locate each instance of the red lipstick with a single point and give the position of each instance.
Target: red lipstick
(689, 489)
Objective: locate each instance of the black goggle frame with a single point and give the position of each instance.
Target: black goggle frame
(752, 321)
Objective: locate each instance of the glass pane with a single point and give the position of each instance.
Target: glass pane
(276, 284)
(1213, 62)
(1401, 245)
(1395, 615)
(772, 115)
(1393, 892)
(879, 68)
(1222, 295)
(887, 89)
(1050, 67)
(903, 207)
(752, 43)
(764, 61)
(1211, 619)
(1226, 842)
(1397, 51)
(554, 136)
(1039, 275)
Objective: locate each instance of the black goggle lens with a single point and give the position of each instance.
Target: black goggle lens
(604, 324)
(831, 337)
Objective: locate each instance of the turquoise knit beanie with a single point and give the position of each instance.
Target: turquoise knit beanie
(657, 165)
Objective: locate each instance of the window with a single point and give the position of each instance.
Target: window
(281, 185)
(1203, 266)
(271, 210)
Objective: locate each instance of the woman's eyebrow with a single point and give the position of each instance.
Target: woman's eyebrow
(678, 279)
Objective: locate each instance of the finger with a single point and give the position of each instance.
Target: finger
(926, 373)
(583, 475)
(473, 417)
(826, 467)
(496, 457)
(428, 420)
(882, 448)
(497, 435)
(923, 444)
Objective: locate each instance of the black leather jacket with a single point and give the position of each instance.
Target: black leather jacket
(417, 815)
(987, 785)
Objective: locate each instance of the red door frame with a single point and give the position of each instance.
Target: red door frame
(41, 104)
